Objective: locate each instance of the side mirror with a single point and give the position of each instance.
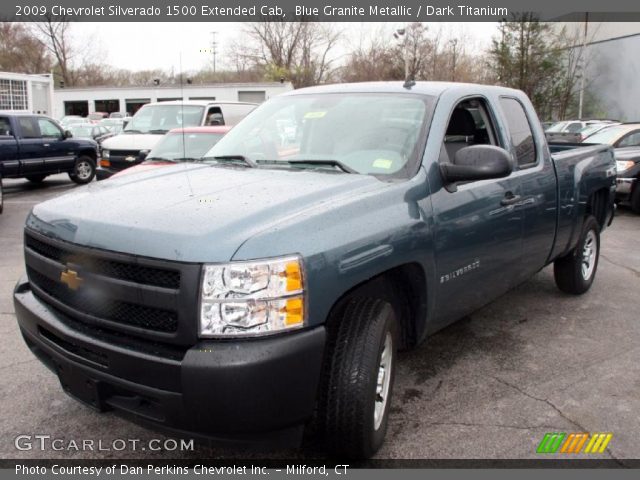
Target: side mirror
(143, 155)
(478, 162)
(67, 134)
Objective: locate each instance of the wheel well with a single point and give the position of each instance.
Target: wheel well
(597, 206)
(405, 288)
(89, 153)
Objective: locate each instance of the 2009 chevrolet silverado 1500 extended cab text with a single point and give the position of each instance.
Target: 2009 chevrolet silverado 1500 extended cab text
(269, 286)
(34, 146)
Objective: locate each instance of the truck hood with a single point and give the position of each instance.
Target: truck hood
(131, 141)
(191, 212)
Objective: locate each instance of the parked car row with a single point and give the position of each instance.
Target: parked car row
(148, 126)
(623, 137)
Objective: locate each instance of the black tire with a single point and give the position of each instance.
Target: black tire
(357, 338)
(635, 198)
(84, 170)
(568, 271)
(36, 178)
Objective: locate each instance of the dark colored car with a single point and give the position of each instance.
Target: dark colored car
(270, 285)
(625, 138)
(35, 146)
(628, 180)
(178, 145)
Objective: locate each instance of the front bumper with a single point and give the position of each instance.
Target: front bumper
(244, 392)
(104, 173)
(624, 187)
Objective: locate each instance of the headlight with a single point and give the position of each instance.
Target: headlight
(105, 154)
(252, 298)
(621, 166)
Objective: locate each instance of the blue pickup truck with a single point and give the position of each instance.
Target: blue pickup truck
(269, 286)
(35, 146)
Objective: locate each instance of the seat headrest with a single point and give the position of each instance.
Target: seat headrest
(461, 123)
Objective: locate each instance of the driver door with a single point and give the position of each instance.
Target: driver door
(57, 154)
(478, 227)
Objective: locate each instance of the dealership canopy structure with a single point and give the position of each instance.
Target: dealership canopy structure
(86, 100)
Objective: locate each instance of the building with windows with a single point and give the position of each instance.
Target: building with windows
(22, 93)
(83, 101)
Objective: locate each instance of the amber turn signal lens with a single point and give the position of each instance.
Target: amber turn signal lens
(294, 311)
(294, 276)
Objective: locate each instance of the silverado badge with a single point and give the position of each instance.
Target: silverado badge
(71, 279)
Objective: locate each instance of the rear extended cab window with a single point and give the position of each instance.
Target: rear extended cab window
(520, 132)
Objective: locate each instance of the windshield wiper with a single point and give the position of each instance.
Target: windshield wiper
(131, 130)
(324, 162)
(232, 159)
(158, 130)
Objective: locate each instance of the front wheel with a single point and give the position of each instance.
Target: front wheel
(83, 171)
(358, 378)
(574, 273)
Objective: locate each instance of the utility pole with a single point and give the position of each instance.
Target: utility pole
(583, 59)
(214, 49)
(454, 44)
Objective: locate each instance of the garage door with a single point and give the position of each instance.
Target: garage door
(252, 97)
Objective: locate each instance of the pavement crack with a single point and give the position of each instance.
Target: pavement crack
(625, 267)
(545, 400)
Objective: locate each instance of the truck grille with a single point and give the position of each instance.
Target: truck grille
(122, 271)
(144, 298)
(115, 311)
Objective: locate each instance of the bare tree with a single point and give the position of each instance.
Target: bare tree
(20, 51)
(55, 37)
(298, 51)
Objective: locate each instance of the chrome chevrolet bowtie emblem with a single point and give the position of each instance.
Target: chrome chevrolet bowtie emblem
(71, 279)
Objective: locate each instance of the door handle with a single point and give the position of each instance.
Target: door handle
(510, 199)
(46, 145)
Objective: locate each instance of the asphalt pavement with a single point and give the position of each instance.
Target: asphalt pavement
(490, 386)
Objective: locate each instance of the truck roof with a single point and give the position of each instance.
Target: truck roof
(425, 88)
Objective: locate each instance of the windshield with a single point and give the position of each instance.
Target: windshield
(187, 146)
(162, 118)
(375, 134)
(81, 132)
(609, 135)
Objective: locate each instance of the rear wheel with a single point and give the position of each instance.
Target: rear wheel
(84, 170)
(574, 273)
(36, 178)
(358, 379)
(635, 198)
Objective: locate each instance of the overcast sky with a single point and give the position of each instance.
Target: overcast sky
(141, 46)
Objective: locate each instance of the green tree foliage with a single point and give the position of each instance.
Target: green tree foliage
(529, 55)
